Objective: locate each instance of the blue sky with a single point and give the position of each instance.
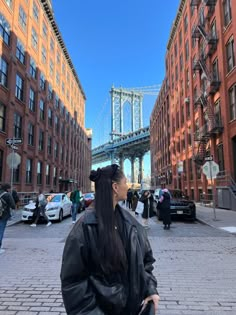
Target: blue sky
(122, 43)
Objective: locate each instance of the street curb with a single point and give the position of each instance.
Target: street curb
(14, 223)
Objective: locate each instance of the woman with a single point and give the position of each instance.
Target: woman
(164, 207)
(107, 261)
(147, 209)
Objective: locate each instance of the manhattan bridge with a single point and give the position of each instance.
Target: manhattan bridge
(131, 144)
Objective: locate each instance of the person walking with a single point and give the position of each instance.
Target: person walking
(76, 204)
(164, 207)
(40, 209)
(6, 204)
(107, 264)
(145, 198)
(129, 198)
(135, 200)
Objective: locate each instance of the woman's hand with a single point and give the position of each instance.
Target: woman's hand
(155, 298)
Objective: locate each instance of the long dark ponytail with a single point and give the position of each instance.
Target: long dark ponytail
(112, 255)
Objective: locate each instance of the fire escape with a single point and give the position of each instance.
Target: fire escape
(210, 81)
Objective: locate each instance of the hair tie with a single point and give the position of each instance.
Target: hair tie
(95, 175)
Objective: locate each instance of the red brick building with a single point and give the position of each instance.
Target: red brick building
(195, 113)
(42, 102)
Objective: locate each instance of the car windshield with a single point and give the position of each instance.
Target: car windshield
(56, 198)
(177, 194)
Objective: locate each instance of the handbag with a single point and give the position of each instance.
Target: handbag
(139, 207)
(149, 309)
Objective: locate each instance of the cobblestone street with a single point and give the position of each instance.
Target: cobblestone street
(195, 267)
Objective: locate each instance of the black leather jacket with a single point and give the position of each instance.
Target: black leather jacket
(85, 290)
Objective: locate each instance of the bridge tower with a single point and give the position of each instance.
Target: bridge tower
(120, 97)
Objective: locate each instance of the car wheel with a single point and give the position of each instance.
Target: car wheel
(60, 215)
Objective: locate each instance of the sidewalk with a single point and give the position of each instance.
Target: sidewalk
(225, 219)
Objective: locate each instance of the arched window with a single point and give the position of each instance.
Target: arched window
(4, 29)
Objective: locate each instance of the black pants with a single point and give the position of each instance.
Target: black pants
(40, 210)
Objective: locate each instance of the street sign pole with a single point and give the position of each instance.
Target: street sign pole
(213, 192)
(12, 160)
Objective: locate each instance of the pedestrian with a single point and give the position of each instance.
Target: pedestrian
(15, 197)
(75, 197)
(164, 207)
(40, 209)
(135, 200)
(147, 209)
(107, 260)
(6, 204)
(129, 198)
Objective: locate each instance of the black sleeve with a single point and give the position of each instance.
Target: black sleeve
(9, 200)
(148, 265)
(77, 292)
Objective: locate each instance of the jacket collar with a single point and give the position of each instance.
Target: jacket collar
(90, 216)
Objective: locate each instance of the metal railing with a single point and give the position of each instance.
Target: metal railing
(206, 200)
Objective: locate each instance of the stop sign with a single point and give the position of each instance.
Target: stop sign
(210, 169)
(13, 160)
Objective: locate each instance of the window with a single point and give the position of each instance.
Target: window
(35, 12)
(56, 124)
(29, 170)
(3, 71)
(20, 51)
(19, 87)
(22, 18)
(32, 68)
(180, 38)
(41, 109)
(63, 87)
(187, 78)
(189, 136)
(32, 100)
(39, 173)
(41, 140)
(49, 145)
(50, 117)
(17, 125)
(58, 57)
(232, 102)
(2, 117)
(51, 44)
(57, 102)
(34, 38)
(48, 174)
(54, 176)
(215, 70)
(9, 3)
(62, 130)
(51, 65)
(220, 156)
(227, 12)
(1, 164)
(42, 82)
(176, 73)
(217, 112)
(181, 62)
(230, 54)
(186, 50)
(57, 78)
(30, 134)
(190, 168)
(45, 30)
(16, 174)
(44, 55)
(176, 50)
(56, 150)
(61, 153)
(4, 29)
(185, 23)
(50, 92)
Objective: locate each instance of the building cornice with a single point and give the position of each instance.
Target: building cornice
(48, 10)
(176, 23)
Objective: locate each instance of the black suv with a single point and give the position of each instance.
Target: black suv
(180, 205)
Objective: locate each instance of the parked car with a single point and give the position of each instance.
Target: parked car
(57, 208)
(180, 205)
(88, 198)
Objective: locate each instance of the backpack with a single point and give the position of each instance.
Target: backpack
(2, 204)
(42, 200)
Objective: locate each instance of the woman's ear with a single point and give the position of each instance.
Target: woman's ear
(115, 187)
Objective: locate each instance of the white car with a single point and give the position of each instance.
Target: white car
(57, 208)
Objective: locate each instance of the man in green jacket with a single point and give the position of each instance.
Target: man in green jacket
(76, 204)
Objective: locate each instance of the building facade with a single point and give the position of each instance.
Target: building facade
(42, 102)
(199, 97)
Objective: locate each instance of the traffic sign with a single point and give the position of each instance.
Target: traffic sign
(14, 141)
(210, 169)
(13, 160)
(209, 158)
(14, 147)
